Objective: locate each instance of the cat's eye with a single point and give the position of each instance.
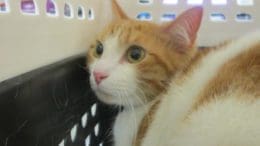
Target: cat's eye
(99, 49)
(135, 54)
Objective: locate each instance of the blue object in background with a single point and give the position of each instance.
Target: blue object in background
(244, 17)
(144, 1)
(168, 17)
(217, 17)
(144, 16)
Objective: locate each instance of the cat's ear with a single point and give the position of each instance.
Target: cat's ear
(118, 13)
(184, 29)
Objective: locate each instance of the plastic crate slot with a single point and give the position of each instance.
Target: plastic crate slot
(168, 17)
(91, 14)
(245, 2)
(219, 2)
(145, 2)
(244, 17)
(170, 2)
(68, 11)
(144, 16)
(87, 141)
(81, 12)
(94, 110)
(101, 144)
(217, 17)
(62, 143)
(29, 7)
(84, 120)
(73, 133)
(195, 2)
(51, 8)
(96, 129)
(4, 6)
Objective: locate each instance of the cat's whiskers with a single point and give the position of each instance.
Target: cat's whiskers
(120, 97)
(141, 98)
(131, 106)
(146, 86)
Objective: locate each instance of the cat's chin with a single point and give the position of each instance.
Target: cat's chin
(107, 99)
(104, 96)
(113, 100)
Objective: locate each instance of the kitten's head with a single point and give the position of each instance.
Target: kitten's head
(132, 62)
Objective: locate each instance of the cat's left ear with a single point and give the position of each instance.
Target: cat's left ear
(118, 13)
(183, 30)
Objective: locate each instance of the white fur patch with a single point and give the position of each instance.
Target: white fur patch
(180, 98)
(228, 122)
(127, 124)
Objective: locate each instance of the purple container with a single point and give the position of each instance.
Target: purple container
(28, 6)
(50, 7)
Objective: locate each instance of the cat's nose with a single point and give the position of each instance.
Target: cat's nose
(100, 76)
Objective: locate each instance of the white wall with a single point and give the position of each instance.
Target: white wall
(29, 42)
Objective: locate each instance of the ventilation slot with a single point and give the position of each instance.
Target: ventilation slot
(73, 133)
(81, 13)
(170, 2)
(218, 17)
(144, 16)
(68, 11)
(168, 17)
(145, 2)
(91, 15)
(29, 7)
(87, 141)
(245, 2)
(84, 120)
(4, 6)
(96, 129)
(62, 143)
(219, 2)
(244, 17)
(195, 2)
(51, 8)
(94, 110)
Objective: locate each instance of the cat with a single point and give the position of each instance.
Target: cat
(174, 94)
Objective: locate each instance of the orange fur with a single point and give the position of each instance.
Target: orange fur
(241, 73)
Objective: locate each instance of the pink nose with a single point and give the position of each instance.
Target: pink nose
(99, 76)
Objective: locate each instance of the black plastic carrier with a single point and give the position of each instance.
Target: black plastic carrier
(54, 106)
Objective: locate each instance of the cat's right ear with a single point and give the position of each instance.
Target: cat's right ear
(118, 13)
(183, 30)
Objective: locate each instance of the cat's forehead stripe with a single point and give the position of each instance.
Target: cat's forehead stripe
(128, 31)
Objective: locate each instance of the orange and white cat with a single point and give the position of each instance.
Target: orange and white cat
(174, 94)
